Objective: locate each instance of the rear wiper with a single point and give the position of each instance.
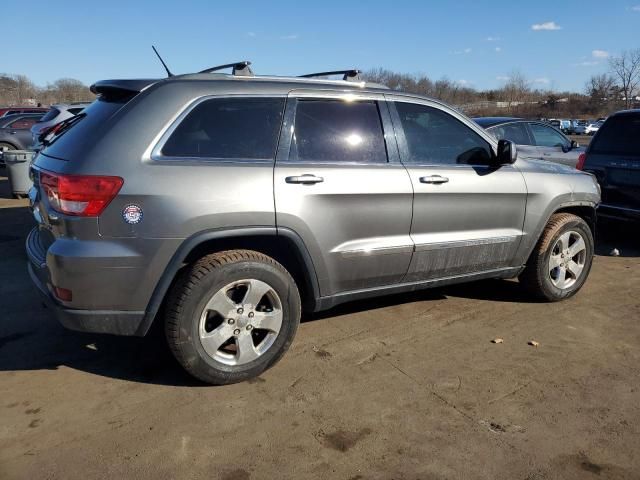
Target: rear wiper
(54, 132)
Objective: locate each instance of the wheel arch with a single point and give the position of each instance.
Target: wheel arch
(284, 245)
(582, 209)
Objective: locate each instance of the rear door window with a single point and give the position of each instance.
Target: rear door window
(22, 123)
(337, 131)
(228, 128)
(516, 132)
(546, 136)
(619, 135)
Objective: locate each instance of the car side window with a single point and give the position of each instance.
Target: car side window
(436, 137)
(228, 128)
(23, 123)
(341, 131)
(516, 132)
(546, 136)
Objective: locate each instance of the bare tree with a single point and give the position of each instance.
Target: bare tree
(516, 89)
(626, 69)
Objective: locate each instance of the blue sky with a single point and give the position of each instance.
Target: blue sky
(556, 44)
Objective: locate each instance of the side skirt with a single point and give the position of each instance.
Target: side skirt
(325, 303)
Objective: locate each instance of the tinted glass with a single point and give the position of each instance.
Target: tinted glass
(619, 135)
(230, 128)
(22, 123)
(74, 111)
(50, 115)
(546, 136)
(338, 131)
(516, 132)
(435, 137)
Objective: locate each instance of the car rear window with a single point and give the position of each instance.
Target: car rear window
(50, 115)
(228, 128)
(619, 135)
(82, 128)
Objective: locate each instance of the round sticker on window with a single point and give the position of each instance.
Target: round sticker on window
(132, 214)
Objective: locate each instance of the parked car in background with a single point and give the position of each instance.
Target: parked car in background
(535, 139)
(56, 114)
(6, 111)
(580, 127)
(565, 126)
(15, 131)
(613, 156)
(592, 128)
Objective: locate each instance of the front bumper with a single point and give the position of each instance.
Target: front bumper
(96, 321)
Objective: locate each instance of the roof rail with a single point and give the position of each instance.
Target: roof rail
(352, 75)
(240, 69)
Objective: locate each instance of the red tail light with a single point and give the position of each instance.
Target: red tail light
(581, 159)
(80, 195)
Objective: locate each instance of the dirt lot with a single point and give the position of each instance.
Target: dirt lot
(404, 387)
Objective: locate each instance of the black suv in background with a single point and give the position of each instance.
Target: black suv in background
(613, 156)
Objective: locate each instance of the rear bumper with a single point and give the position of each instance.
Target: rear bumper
(619, 213)
(97, 321)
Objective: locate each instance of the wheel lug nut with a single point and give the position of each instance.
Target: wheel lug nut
(236, 331)
(231, 321)
(250, 314)
(249, 327)
(240, 311)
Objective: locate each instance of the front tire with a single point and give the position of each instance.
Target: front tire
(560, 263)
(231, 316)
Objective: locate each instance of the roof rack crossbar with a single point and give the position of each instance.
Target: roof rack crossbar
(240, 69)
(352, 75)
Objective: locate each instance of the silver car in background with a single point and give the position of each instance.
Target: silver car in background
(55, 115)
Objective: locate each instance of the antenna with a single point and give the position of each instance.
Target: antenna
(169, 74)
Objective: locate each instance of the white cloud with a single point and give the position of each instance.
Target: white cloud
(460, 52)
(600, 54)
(586, 63)
(493, 39)
(546, 26)
(293, 36)
(498, 49)
(542, 80)
(464, 83)
(503, 78)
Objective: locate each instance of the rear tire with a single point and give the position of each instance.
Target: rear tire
(231, 316)
(560, 263)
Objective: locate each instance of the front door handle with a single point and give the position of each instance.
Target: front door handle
(434, 179)
(306, 179)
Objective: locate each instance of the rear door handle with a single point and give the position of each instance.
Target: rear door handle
(306, 179)
(434, 179)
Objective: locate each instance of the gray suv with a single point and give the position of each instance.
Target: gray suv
(226, 205)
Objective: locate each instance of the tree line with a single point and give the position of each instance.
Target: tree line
(604, 93)
(20, 90)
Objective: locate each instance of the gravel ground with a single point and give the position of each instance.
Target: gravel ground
(401, 387)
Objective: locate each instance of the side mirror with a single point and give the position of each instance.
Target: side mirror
(507, 152)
